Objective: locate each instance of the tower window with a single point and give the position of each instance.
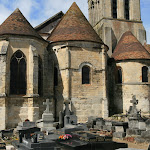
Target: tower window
(92, 4)
(85, 75)
(127, 9)
(18, 74)
(144, 74)
(55, 76)
(114, 11)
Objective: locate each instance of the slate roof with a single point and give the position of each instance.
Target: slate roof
(50, 20)
(17, 24)
(74, 27)
(130, 48)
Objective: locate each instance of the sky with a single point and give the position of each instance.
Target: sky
(37, 11)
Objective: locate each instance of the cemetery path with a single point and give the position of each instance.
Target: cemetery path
(143, 146)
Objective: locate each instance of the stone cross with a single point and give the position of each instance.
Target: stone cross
(134, 101)
(67, 111)
(47, 103)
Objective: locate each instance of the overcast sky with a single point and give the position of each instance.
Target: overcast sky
(37, 11)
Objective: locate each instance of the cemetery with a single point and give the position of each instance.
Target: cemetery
(68, 134)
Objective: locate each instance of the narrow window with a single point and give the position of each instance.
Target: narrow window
(118, 75)
(40, 77)
(85, 75)
(144, 74)
(127, 9)
(114, 12)
(55, 76)
(18, 74)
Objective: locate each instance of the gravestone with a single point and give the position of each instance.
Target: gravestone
(6, 133)
(25, 125)
(67, 117)
(99, 123)
(46, 123)
(119, 132)
(135, 121)
(147, 124)
(133, 113)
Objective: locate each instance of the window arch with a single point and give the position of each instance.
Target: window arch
(144, 74)
(18, 74)
(55, 76)
(85, 75)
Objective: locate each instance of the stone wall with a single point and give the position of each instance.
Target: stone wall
(132, 85)
(16, 108)
(86, 99)
(111, 29)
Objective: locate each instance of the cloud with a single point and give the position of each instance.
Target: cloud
(52, 7)
(37, 11)
(5, 12)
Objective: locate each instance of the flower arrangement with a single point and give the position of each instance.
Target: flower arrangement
(65, 137)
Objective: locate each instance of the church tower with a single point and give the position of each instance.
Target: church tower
(112, 18)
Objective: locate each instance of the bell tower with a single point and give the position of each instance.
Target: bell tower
(112, 18)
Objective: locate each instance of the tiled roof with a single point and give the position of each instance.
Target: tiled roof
(130, 48)
(50, 20)
(74, 27)
(17, 24)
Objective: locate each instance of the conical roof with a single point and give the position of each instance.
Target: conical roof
(74, 27)
(17, 24)
(130, 48)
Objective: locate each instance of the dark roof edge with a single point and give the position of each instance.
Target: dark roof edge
(51, 42)
(51, 19)
(6, 36)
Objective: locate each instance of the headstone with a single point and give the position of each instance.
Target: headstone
(70, 119)
(136, 122)
(46, 123)
(67, 117)
(99, 123)
(119, 129)
(147, 124)
(25, 125)
(6, 133)
(119, 132)
(133, 113)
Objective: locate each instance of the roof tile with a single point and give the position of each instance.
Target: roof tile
(17, 24)
(130, 48)
(74, 27)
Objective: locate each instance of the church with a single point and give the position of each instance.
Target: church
(96, 65)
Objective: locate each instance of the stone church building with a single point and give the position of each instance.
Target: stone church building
(97, 65)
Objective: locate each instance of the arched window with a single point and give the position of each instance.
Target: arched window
(85, 75)
(144, 74)
(55, 76)
(18, 74)
(126, 9)
(119, 75)
(114, 8)
(40, 77)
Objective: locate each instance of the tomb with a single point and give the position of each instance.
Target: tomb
(46, 123)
